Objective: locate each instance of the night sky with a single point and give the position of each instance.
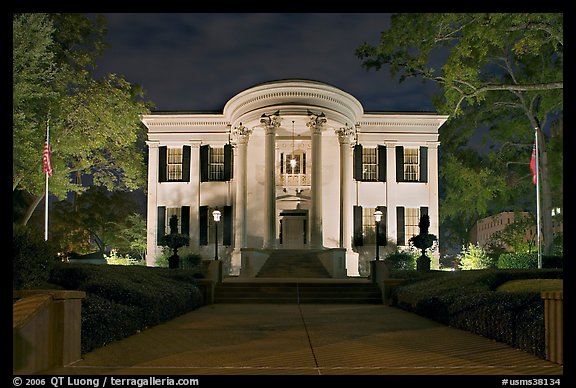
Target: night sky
(196, 62)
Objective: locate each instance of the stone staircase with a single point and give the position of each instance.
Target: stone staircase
(293, 263)
(294, 292)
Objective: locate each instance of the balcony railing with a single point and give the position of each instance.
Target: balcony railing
(294, 180)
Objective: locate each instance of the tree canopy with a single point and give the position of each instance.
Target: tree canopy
(501, 73)
(94, 124)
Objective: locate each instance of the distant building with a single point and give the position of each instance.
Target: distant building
(485, 230)
(291, 164)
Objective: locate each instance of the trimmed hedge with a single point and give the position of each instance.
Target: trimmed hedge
(467, 300)
(32, 258)
(122, 300)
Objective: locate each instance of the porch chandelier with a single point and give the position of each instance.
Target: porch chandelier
(293, 157)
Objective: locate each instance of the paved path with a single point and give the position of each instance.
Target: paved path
(307, 340)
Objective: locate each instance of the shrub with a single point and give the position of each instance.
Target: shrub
(122, 300)
(117, 259)
(467, 300)
(402, 260)
(528, 260)
(32, 258)
(474, 257)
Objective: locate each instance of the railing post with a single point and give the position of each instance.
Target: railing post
(554, 325)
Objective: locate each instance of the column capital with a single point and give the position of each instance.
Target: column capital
(271, 122)
(345, 134)
(241, 134)
(316, 121)
(152, 144)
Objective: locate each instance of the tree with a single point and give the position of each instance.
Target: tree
(95, 126)
(510, 65)
(470, 191)
(97, 218)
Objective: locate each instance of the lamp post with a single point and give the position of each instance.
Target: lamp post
(378, 218)
(216, 214)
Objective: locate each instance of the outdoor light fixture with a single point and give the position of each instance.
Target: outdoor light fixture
(293, 161)
(216, 214)
(378, 218)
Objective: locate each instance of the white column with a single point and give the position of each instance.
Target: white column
(270, 124)
(195, 193)
(315, 124)
(152, 206)
(242, 135)
(433, 211)
(391, 189)
(346, 202)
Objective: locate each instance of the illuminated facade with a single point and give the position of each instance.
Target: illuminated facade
(291, 164)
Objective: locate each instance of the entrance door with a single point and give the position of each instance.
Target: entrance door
(294, 230)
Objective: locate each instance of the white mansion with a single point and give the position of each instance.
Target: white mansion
(291, 164)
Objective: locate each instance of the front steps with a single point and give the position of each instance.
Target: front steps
(294, 292)
(293, 263)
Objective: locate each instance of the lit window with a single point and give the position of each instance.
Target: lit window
(291, 167)
(173, 211)
(174, 164)
(216, 164)
(369, 164)
(411, 164)
(368, 226)
(412, 218)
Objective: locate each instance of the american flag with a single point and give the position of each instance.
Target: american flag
(533, 164)
(47, 159)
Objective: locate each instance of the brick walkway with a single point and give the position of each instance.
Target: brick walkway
(230, 339)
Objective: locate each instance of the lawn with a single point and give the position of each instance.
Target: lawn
(532, 285)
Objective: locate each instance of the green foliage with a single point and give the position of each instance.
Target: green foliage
(108, 219)
(122, 300)
(32, 258)
(501, 72)
(528, 260)
(95, 126)
(402, 260)
(189, 259)
(468, 300)
(115, 259)
(474, 257)
(514, 235)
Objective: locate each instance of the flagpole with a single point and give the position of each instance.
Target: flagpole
(46, 188)
(538, 200)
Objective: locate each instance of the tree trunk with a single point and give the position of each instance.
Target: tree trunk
(545, 197)
(24, 220)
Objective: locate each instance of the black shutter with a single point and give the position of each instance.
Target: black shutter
(228, 162)
(161, 225)
(227, 228)
(423, 164)
(357, 161)
(162, 154)
(185, 220)
(304, 163)
(204, 163)
(381, 163)
(400, 226)
(186, 163)
(399, 164)
(382, 238)
(358, 239)
(203, 224)
(282, 163)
